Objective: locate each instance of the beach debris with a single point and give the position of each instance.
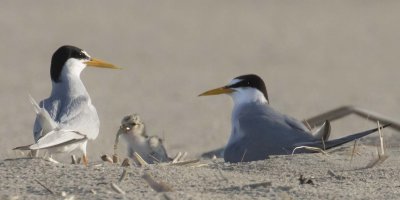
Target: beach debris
(123, 175)
(93, 191)
(115, 158)
(333, 174)
(316, 149)
(380, 151)
(244, 153)
(304, 180)
(139, 160)
(178, 157)
(75, 160)
(44, 186)
(256, 185)
(157, 186)
(354, 151)
(343, 111)
(125, 163)
(106, 158)
(117, 189)
(249, 186)
(183, 163)
(50, 159)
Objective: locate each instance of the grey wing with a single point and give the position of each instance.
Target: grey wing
(265, 132)
(296, 124)
(51, 108)
(81, 116)
(37, 130)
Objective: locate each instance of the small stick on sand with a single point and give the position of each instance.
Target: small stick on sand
(381, 155)
(157, 186)
(73, 160)
(245, 151)
(182, 163)
(140, 160)
(381, 139)
(310, 148)
(45, 187)
(177, 157)
(182, 158)
(117, 189)
(353, 151)
(125, 163)
(106, 158)
(115, 158)
(307, 124)
(123, 175)
(333, 174)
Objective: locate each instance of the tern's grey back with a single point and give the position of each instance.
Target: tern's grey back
(262, 131)
(76, 114)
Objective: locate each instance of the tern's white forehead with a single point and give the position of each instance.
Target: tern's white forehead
(234, 81)
(84, 52)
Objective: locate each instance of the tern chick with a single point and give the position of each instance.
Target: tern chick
(150, 148)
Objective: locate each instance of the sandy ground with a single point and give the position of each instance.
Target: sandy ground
(332, 176)
(314, 56)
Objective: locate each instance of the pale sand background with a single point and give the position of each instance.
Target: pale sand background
(313, 55)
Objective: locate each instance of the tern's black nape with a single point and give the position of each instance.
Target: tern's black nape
(251, 80)
(61, 56)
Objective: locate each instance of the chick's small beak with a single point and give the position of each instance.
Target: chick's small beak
(94, 62)
(216, 91)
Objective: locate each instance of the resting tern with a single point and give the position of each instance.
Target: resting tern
(259, 131)
(66, 120)
(150, 148)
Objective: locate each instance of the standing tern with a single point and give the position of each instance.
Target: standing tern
(66, 120)
(259, 131)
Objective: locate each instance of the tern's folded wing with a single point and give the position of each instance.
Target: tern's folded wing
(56, 138)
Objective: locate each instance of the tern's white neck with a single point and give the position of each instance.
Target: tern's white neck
(243, 96)
(70, 82)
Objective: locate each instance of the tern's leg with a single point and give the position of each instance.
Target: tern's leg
(347, 110)
(85, 159)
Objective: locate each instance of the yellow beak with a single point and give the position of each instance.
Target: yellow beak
(216, 91)
(94, 62)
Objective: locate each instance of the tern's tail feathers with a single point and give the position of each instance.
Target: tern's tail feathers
(46, 122)
(35, 104)
(337, 142)
(323, 132)
(57, 138)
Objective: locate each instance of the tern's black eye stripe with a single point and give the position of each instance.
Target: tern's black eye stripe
(79, 55)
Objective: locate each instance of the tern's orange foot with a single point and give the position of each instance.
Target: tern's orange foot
(85, 160)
